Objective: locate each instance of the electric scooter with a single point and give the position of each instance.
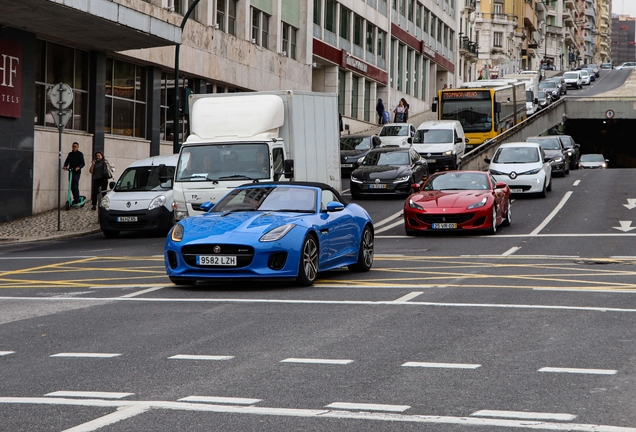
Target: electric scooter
(69, 196)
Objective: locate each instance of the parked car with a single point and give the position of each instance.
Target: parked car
(586, 79)
(141, 199)
(591, 72)
(573, 79)
(397, 134)
(353, 148)
(593, 161)
(458, 200)
(560, 81)
(554, 149)
(626, 65)
(544, 98)
(573, 149)
(390, 171)
(550, 87)
(289, 230)
(592, 67)
(607, 66)
(441, 142)
(523, 166)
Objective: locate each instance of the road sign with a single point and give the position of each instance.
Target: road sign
(61, 96)
(609, 114)
(61, 117)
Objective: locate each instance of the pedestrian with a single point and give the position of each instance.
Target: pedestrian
(74, 163)
(406, 110)
(445, 87)
(399, 113)
(341, 123)
(379, 108)
(100, 173)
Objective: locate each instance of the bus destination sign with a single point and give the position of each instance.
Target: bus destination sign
(466, 94)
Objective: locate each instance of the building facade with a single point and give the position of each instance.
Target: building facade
(623, 39)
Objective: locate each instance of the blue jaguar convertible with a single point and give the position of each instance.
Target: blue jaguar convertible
(273, 231)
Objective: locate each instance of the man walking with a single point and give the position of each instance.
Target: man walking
(75, 162)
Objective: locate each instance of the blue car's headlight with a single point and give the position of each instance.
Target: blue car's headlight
(478, 204)
(177, 233)
(277, 233)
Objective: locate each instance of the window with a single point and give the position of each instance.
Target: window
(125, 99)
(55, 64)
(410, 10)
(260, 28)
(416, 74)
(330, 15)
(317, 10)
(355, 94)
(357, 30)
(409, 53)
(345, 24)
(289, 40)
(370, 39)
(400, 65)
(381, 42)
(498, 8)
(342, 76)
(418, 15)
(425, 21)
(231, 17)
(497, 37)
(220, 14)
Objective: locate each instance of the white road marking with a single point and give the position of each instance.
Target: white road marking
(394, 237)
(626, 226)
(91, 395)
(511, 251)
(522, 256)
(316, 361)
(221, 400)
(119, 415)
(441, 365)
(631, 203)
(621, 257)
(138, 293)
(408, 297)
(576, 183)
(579, 371)
(47, 258)
(499, 236)
(368, 407)
(388, 227)
(4, 353)
(524, 415)
(554, 212)
(86, 355)
(322, 413)
(199, 357)
(389, 219)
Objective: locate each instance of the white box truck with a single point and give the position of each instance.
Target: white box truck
(532, 89)
(237, 138)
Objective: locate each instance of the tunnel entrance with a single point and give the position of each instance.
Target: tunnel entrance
(615, 139)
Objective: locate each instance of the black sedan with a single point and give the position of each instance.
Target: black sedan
(554, 149)
(388, 170)
(355, 147)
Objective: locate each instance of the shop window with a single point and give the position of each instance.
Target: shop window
(125, 99)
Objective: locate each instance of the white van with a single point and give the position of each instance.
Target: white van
(141, 200)
(441, 142)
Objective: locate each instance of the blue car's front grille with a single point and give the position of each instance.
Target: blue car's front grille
(244, 254)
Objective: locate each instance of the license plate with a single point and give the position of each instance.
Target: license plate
(431, 160)
(376, 186)
(346, 165)
(216, 260)
(126, 218)
(444, 225)
(516, 190)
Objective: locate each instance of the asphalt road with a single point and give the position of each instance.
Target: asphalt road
(529, 329)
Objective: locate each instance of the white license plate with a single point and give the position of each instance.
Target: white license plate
(346, 165)
(216, 260)
(444, 225)
(126, 218)
(431, 160)
(516, 190)
(376, 186)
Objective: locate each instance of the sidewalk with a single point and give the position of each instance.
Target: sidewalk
(73, 222)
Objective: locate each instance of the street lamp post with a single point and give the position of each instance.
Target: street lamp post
(175, 120)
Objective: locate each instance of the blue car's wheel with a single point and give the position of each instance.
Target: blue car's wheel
(365, 253)
(308, 267)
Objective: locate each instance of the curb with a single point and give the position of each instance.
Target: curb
(7, 241)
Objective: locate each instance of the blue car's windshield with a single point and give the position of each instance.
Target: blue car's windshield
(279, 198)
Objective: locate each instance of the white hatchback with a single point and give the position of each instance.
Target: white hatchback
(397, 134)
(523, 166)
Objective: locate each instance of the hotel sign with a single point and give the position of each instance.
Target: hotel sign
(10, 79)
(356, 64)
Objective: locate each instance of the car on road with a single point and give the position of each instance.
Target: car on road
(397, 134)
(141, 199)
(551, 88)
(573, 149)
(626, 65)
(458, 200)
(523, 166)
(544, 99)
(607, 66)
(560, 81)
(593, 161)
(441, 142)
(591, 72)
(275, 231)
(388, 171)
(593, 67)
(353, 148)
(555, 150)
(573, 79)
(586, 79)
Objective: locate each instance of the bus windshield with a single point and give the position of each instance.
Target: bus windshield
(474, 115)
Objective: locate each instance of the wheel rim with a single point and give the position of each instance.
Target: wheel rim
(310, 259)
(509, 215)
(367, 247)
(494, 219)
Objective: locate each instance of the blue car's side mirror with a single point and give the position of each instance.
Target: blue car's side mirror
(335, 206)
(206, 206)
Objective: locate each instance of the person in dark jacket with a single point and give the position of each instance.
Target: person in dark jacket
(98, 169)
(406, 110)
(75, 162)
(379, 108)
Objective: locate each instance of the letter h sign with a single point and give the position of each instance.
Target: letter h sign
(10, 79)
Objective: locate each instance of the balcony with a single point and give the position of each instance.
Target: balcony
(569, 4)
(554, 30)
(470, 5)
(529, 16)
(467, 47)
(567, 19)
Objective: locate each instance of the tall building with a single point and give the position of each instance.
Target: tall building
(623, 39)
(605, 31)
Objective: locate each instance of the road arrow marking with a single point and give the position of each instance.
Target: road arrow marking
(631, 203)
(626, 226)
